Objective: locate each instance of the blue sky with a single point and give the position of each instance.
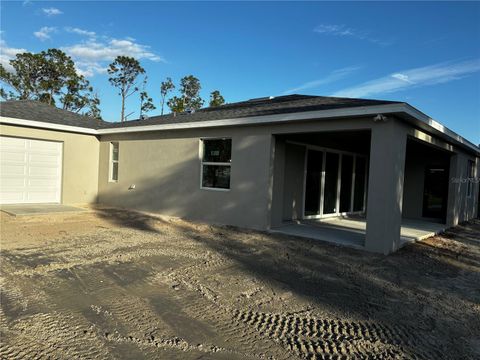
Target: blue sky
(427, 54)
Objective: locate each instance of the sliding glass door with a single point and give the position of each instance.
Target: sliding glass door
(360, 184)
(346, 184)
(331, 183)
(335, 183)
(313, 180)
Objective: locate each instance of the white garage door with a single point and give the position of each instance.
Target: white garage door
(30, 171)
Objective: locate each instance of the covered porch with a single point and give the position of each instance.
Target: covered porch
(375, 188)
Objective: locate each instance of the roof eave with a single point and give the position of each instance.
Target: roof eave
(45, 125)
(410, 114)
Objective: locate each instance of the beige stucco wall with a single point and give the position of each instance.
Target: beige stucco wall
(165, 169)
(80, 161)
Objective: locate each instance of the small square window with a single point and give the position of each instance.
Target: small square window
(216, 176)
(216, 163)
(217, 150)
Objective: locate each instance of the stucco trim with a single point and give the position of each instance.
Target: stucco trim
(423, 120)
(45, 125)
(265, 119)
(417, 114)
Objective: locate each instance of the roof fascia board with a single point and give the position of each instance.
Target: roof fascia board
(45, 125)
(446, 132)
(259, 120)
(265, 119)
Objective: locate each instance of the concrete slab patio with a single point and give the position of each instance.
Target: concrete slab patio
(38, 209)
(350, 231)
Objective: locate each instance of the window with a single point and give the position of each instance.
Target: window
(113, 162)
(216, 163)
(470, 180)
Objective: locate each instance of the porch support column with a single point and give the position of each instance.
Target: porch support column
(385, 186)
(454, 191)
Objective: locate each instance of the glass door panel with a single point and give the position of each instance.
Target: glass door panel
(435, 192)
(346, 184)
(359, 191)
(331, 183)
(313, 182)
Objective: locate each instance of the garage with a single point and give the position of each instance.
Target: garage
(30, 171)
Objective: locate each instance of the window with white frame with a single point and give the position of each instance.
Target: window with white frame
(114, 152)
(470, 174)
(216, 163)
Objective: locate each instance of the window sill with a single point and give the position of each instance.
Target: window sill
(214, 189)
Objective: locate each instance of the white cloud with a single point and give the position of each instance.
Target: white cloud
(417, 77)
(7, 53)
(92, 56)
(52, 11)
(332, 77)
(80, 31)
(344, 31)
(402, 77)
(44, 33)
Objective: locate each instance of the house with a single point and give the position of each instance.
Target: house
(258, 164)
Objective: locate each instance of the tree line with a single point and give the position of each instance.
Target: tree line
(51, 77)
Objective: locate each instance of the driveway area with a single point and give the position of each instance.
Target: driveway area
(116, 284)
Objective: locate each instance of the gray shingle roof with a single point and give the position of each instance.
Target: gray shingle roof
(38, 111)
(32, 110)
(255, 107)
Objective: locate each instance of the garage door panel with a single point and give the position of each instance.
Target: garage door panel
(13, 156)
(13, 143)
(44, 159)
(44, 171)
(30, 171)
(41, 196)
(11, 197)
(8, 170)
(43, 146)
(8, 183)
(46, 183)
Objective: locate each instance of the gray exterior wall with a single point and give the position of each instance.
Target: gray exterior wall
(266, 176)
(460, 206)
(165, 168)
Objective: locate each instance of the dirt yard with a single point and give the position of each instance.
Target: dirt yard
(112, 284)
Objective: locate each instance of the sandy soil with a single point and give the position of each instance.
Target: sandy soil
(115, 284)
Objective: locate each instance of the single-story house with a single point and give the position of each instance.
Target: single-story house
(258, 164)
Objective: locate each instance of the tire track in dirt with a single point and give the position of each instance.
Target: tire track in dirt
(77, 260)
(12, 298)
(320, 337)
(208, 307)
(304, 336)
(132, 320)
(53, 335)
(133, 313)
(236, 335)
